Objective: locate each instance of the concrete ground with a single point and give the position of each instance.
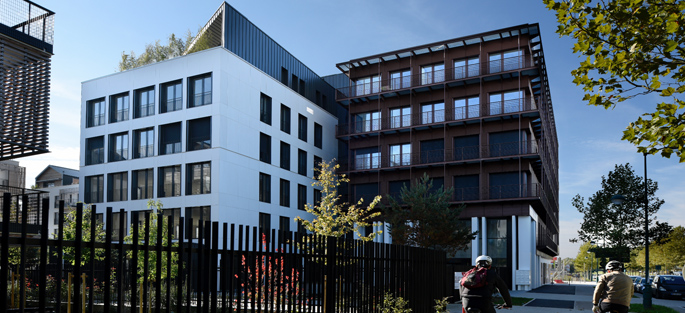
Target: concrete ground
(577, 295)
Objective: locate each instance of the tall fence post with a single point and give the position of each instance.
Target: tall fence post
(4, 251)
(329, 278)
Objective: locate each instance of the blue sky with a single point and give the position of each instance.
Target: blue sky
(91, 35)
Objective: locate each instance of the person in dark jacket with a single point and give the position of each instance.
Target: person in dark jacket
(481, 298)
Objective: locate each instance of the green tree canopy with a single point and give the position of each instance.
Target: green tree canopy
(620, 226)
(422, 217)
(585, 259)
(668, 252)
(69, 233)
(157, 52)
(632, 48)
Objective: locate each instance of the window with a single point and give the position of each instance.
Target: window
(144, 102)
(400, 117)
(117, 187)
(175, 215)
(466, 108)
(395, 188)
(118, 147)
(143, 182)
(285, 119)
(172, 97)
(507, 185)
(367, 158)
(293, 82)
(506, 143)
(318, 136)
(317, 196)
(302, 162)
(505, 61)
(265, 148)
(366, 191)
(285, 156)
(466, 253)
(433, 113)
(284, 228)
(498, 234)
(400, 155)
(94, 189)
(194, 217)
(95, 150)
(284, 76)
(119, 228)
(317, 165)
(140, 218)
(284, 191)
(301, 196)
(199, 134)
(199, 178)
(318, 98)
(170, 138)
(466, 148)
(169, 181)
(264, 188)
(118, 105)
(433, 73)
(265, 224)
(365, 122)
(400, 79)
(507, 102)
(466, 67)
(143, 143)
(265, 109)
(200, 90)
(302, 127)
(95, 112)
(302, 87)
(432, 151)
(324, 101)
(368, 85)
(466, 188)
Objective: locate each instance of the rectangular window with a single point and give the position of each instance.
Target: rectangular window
(200, 90)
(464, 254)
(284, 191)
(143, 182)
(317, 197)
(368, 85)
(302, 87)
(466, 148)
(144, 102)
(117, 187)
(466, 188)
(507, 102)
(433, 113)
(194, 217)
(301, 196)
(117, 231)
(400, 155)
(324, 101)
(175, 215)
(302, 162)
(505, 61)
(318, 98)
(143, 143)
(366, 122)
(170, 138)
(498, 234)
(94, 189)
(505, 185)
(264, 188)
(285, 119)
(504, 143)
(317, 165)
(171, 97)
(118, 105)
(265, 109)
(285, 156)
(466, 67)
(293, 82)
(400, 79)
(367, 158)
(284, 228)
(199, 178)
(400, 117)
(432, 151)
(284, 76)
(318, 136)
(199, 134)
(365, 191)
(265, 224)
(95, 150)
(265, 148)
(169, 184)
(95, 112)
(466, 108)
(118, 147)
(302, 127)
(395, 188)
(434, 73)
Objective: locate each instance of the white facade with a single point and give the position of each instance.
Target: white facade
(234, 156)
(68, 193)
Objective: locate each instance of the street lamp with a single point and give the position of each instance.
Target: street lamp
(619, 199)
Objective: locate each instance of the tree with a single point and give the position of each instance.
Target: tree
(620, 227)
(156, 52)
(669, 252)
(333, 218)
(585, 259)
(423, 217)
(69, 233)
(632, 48)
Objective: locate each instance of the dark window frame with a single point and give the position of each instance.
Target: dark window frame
(205, 97)
(265, 108)
(165, 138)
(147, 190)
(264, 187)
(146, 95)
(175, 183)
(175, 103)
(149, 149)
(199, 139)
(302, 127)
(302, 162)
(318, 135)
(284, 192)
(99, 194)
(205, 179)
(122, 195)
(285, 118)
(114, 147)
(114, 115)
(95, 154)
(285, 156)
(96, 119)
(265, 148)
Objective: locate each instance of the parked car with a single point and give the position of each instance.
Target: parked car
(668, 286)
(641, 285)
(636, 281)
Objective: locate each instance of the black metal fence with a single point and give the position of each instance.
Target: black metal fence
(225, 268)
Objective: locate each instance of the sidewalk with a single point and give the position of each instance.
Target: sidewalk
(562, 298)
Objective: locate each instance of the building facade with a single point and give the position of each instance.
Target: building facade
(475, 114)
(58, 183)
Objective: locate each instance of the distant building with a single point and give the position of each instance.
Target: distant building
(12, 174)
(59, 183)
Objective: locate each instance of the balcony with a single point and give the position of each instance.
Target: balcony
(432, 117)
(502, 192)
(448, 75)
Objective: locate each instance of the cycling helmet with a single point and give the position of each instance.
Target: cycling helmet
(483, 261)
(614, 265)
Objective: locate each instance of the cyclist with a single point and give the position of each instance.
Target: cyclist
(614, 290)
(480, 299)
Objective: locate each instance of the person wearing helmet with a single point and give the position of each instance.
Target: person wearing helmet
(614, 290)
(481, 298)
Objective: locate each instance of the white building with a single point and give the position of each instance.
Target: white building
(60, 183)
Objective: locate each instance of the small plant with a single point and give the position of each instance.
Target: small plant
(392, 304)
(441, 305)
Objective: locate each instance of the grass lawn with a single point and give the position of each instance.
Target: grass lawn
(637, 307)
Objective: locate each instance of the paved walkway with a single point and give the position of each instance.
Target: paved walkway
(562, 298)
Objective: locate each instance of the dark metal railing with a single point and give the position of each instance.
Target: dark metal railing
(28, 18)
(497, 192)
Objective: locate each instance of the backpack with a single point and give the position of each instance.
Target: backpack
(475, 278)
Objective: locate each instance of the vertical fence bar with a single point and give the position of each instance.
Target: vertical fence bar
(120, 272)
(210, 272)
(43, 254)
(179, 263)
(146, 262)
(224, 268)
(135, 217)
(200, 263)
(158, 265)
(231, 266)
(214, 268)
(4, 251)
(170, 235)
(78, 241)
(60, 255)
(259, 266)
(22, 254)
(91, 245)
(108, 258)
(189, 270)
(256, 270)
(273, 268)
(241, 271)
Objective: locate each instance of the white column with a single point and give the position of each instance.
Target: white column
(526, 248)
(484, 236)
(475, 243)
(514, 252)
(386, 233)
